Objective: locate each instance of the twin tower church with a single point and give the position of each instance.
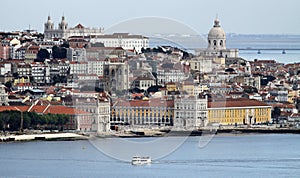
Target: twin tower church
(216, 37)
(64, 32)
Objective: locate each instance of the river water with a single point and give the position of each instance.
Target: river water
(289, 43)
(290, 56)
(253, 155)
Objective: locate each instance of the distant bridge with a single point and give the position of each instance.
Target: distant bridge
(270, 49)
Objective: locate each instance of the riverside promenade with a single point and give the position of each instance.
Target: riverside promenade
(47, 136)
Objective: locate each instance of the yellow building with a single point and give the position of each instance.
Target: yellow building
(155, 111)
(188, 87)
(171, 86)
(24, 79)
(292, 94)
(238, 111)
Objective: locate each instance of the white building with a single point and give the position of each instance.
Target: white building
(143, 83)
(124, 40)
(217, 43)
(201, 64)
(103, 112)
(165, 75)
(190, 112)
(3, 96)
(78, 67)
(64, 32)
(5, 68)
(40, 72)
(95, 67)
(200, 89)
(87, 77)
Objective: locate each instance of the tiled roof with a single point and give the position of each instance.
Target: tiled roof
(240, 102)
(44, 109)
(79, 26)
(153, 102)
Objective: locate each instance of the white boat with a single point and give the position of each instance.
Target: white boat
(140, 160)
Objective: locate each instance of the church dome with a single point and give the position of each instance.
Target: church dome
(216, 37)
(216, 31)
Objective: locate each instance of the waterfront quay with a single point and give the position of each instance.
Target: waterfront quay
(46, 136)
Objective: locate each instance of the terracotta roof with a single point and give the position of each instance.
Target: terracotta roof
(24, 84)
(44, 109)
(240, 102)
(79, 26)
(64, 110)
(283, 105)
(153, 102)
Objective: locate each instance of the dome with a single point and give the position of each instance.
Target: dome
(216, 31)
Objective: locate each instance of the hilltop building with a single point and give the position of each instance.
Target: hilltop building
(64, 32)
(125, 40)
(217, 43)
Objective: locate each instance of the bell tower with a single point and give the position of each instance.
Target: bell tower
(63, 25)
(49, 24)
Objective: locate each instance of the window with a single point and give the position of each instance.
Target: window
(215, 42)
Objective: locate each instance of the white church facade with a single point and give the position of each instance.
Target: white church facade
(216, 53)
(217, 44)
(64, 32)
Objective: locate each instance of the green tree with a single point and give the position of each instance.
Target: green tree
(276, 113)
(42, 55)
(59, 52)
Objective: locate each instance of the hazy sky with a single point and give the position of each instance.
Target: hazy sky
(236, 16)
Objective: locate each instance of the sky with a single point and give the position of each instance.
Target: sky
(236, 16)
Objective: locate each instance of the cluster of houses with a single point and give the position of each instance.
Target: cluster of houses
(110, 81)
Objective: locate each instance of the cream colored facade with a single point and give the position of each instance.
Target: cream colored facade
(238, 111)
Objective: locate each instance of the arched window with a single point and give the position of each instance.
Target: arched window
(221, 43)
(215, 42)
(209, 42)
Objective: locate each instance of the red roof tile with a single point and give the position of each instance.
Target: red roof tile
(240, 102)
(44, 109)
(153, 102)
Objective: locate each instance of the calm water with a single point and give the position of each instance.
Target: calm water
(262, 42)
(291, 56)
(225, 156)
